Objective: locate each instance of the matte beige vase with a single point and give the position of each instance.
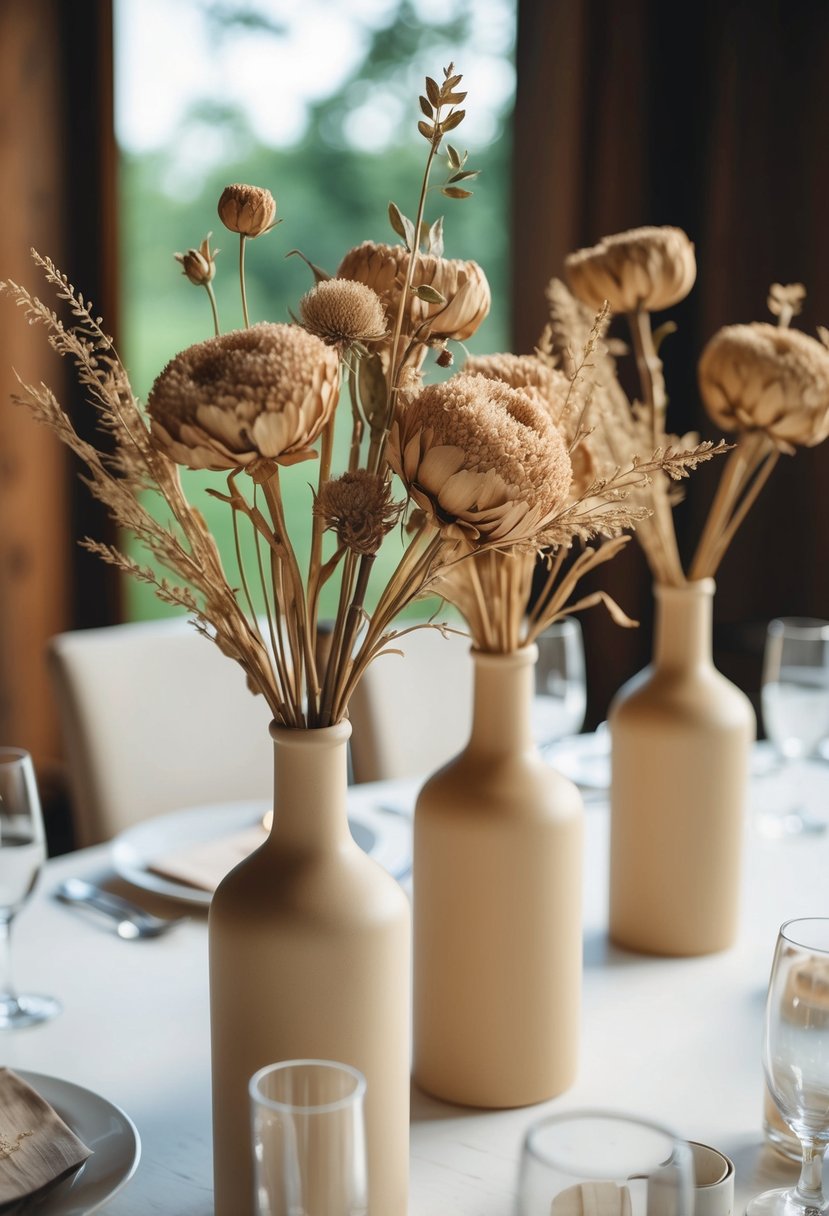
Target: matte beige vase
(681, 737)
(497, 908)
(310, 958)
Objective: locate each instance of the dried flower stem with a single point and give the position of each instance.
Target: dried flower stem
(317, 529)
(747, 469)
(378, 438)
(211, 295)
(242, 279)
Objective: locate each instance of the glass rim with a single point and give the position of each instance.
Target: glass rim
(614, 1116)
(9, 754)
(294, 1108)
(786, 934)
(800, 626)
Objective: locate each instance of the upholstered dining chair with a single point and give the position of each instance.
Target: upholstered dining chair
(154, 718)
(411, 714)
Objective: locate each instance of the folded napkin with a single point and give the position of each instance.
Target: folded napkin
(205, 865)
(36, 1147)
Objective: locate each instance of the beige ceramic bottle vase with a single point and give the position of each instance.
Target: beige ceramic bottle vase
(310, 957)
(497, 908)
(681, 740)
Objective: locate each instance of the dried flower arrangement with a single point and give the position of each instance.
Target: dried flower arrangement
(767, 386)
(496, 464)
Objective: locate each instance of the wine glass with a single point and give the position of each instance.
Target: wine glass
(607, 1163)
(560, 686)
(796, 1059)
(309, 1147)
(795, 710)
(22, 853)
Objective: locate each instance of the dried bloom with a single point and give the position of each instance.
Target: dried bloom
(650, 268)
(266, 391)
(525, 372)
(483, 460)
(463, 286)
(248, 210)
(341, 311)
(761, 377)
(785, 300)
(199, 264)
(358, 506)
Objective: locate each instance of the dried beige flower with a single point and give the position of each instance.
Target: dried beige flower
(248, 210)
(342, 311)
(483, 460)
(785, 300)
(463, 286)
(760, 377)
(647, 268)
(199, 265)
(358, 506)
(524, 372)
(266, 391)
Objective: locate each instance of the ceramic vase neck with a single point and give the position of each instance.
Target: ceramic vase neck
(502, 705)
(683, 634)
(310, 786)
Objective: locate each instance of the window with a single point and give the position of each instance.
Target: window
(317, 102)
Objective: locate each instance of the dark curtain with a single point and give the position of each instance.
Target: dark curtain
(713, 117)
(57, 166)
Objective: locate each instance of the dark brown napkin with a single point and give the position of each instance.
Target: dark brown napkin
(36, 1147)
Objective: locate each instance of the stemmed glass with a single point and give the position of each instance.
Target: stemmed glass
(22, 853)
(611, 1164)
(309, 1147)
(795, 708)
(560, 685)
(796, 1059)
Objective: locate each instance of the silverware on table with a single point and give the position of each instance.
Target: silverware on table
(130, 921)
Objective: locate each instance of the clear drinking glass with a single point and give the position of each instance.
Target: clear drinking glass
(22, 853)
(560, 684)
(796, 1059)
(604, 1163)
(309, 1145)
(795, 711)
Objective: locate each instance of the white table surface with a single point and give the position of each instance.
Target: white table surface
(676, 1040)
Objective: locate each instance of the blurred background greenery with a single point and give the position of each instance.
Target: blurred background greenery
(317, 102)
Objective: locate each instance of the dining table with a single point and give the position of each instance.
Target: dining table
(677, 1040)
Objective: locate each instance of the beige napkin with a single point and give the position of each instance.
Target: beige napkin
(36, 1146)
(205, 865)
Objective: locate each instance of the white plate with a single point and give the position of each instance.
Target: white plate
(103, 1127)
(384, 837)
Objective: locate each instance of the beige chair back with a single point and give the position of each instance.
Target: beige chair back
(411, 714)
(154, 718)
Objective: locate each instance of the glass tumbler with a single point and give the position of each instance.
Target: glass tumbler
(605, 1164)
(309, 1145)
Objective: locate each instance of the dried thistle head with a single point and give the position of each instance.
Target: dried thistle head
(342, 311)
(761, 377)
(648, 268)
(359, 507)
(199, 265)
(526, 372)
(248, 210)
(263, 392)
(483, 460)
(462, 286)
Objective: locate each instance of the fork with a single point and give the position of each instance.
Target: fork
(131, 922)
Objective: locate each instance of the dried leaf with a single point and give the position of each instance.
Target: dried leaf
(430, 294)
(454, 156)
(396, 220)
(427, 109)
(433, 91)
(465, 175)
(434, 245)
(453, 120)
(453, 99)
(426, 130)
(456, 192)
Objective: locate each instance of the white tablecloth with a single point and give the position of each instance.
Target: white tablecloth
(677, 1040)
